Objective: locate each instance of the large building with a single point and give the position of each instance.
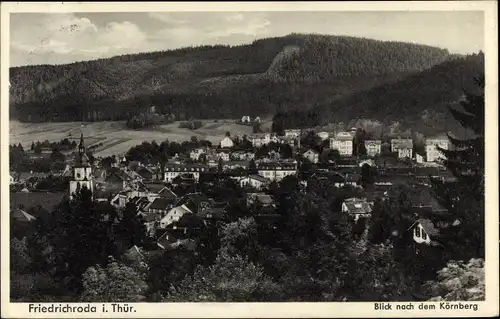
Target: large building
(373, 147)
(343, 143)
(82, 172)
(276, 171)
(404, 147)
(431, 147)
(188, 170)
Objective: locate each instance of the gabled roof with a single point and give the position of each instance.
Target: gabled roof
(258, 178)
(402, 143)
(162, 203)
(167, 193)
(357, 206)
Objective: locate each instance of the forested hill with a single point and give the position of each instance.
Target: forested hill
(417, 101)
(294, 71)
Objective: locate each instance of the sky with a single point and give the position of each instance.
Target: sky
(56, 38)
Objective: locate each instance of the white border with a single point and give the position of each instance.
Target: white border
(251, 310)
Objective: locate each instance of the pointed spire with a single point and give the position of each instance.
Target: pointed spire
(81, 141)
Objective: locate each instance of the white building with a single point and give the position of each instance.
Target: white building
(343, 143)
(196, 153)
(311, 155)
(256, 181)
(357, 208)
(245, 119)
(226, 142)
(431, 148)
(373, 147)
(404, 147)
(323, 135)
(82, 172)
(174, 170)
(294, 133)
(174, 215)
(261, 139)
(276, 171)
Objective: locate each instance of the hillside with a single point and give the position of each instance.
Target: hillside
(291, 72)
(419, 100)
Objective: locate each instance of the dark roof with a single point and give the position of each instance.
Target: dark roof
(161, 203)
(259, 178)
(154, 187)
(357, 206)
(167, 193)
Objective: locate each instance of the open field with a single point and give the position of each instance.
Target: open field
(116, 137)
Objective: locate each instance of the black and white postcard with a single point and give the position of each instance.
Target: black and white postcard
(253, 159)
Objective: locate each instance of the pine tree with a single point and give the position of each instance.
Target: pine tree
(465, 197)
(466, 157)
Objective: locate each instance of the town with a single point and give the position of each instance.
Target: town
(176, 197)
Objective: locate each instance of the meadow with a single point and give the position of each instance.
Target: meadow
(116, 138)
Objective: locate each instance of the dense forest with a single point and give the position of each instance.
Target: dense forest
(291, 72)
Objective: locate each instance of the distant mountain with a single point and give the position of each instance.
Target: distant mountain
(292, 72)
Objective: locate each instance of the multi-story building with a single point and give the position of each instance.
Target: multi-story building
(343, 143)
(174, 170)
(373, 147)
(431, 148)
(276, 171)
(262, 139)
(404, 147)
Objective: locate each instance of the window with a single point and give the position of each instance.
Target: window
(424, 235)
(417, 231)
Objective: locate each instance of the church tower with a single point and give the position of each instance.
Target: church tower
(82, 172)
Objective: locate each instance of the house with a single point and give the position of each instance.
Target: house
(311, 155)
(293, 133)
(404, 147)
(432, 232)
(145, 173)
(256, 181)
(195, 202)
(368, 162)
(260, 200)
(260, 139)
(120, 200)
(171, 241)
(256, 119)
(245, 119)
(196, 153)
(176, 169)
(232, 165)
(223, 154)
(343, 143)
(167, 193)
(161, 206)
(373, 147)
(353, 179)
(334, 178)
(323, 135)
(420, 157)
(276, 171)
(174, 215)
(242, 156)
(357, 208)
(226, 142)
(431, 147)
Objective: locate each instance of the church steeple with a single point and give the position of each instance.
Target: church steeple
(81, 147)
